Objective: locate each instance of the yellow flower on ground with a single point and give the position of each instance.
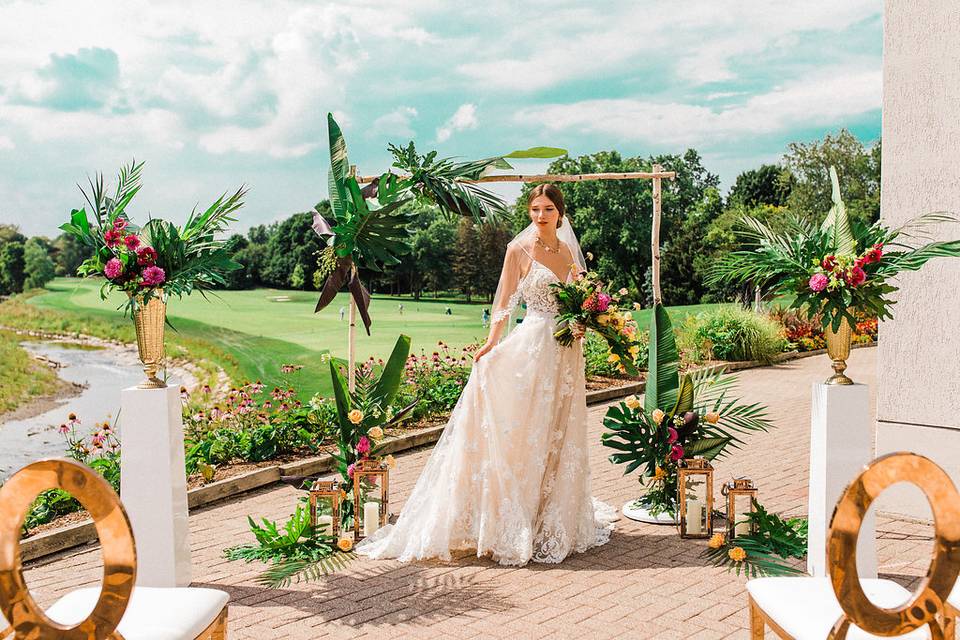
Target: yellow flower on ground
(712, 418)
(613, 358)
(355, 416)
(657, 416)
(659, 474)
(390, 461)
(632, 401)
(345, 544)
(737, 554)
(716, 541)
(376, 433)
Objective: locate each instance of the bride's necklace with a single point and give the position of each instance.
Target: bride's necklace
(548, 249)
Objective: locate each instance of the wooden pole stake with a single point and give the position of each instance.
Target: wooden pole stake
(556, 177)
(351, 346)
(655, 235)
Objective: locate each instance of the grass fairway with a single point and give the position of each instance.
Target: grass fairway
(265, 328)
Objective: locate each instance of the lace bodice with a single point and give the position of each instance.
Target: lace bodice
(536, 292)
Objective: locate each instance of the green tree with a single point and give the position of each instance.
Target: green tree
(433, 251)
(467, 266)
(684, 258)
(11, 267)
(857, 166)
(492, 240)
(68, 253)
(292, 242)
(297, 278)
(39, 268)
(11, 233)
(770, 184)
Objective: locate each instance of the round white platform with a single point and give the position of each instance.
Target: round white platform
(634, 511)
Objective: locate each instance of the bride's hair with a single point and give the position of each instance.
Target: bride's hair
(552, 192)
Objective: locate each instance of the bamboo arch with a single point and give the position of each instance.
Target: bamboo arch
(657, 176)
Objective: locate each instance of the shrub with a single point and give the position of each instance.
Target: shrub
(596, 354)
(735, 334)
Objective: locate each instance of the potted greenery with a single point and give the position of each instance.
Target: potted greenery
(152, 262)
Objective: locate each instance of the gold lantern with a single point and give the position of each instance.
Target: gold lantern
(695, 497)
(740, 493)
(325, 499)
(371, 492)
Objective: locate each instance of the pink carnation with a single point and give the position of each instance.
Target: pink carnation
(363, 446)
(153, 276)
(132, 242)
(818, 282)
(113, 268)
(603, 302)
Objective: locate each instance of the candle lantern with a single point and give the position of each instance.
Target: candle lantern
(695, 497)
(325, 499)
(740, 493)
(370, 497)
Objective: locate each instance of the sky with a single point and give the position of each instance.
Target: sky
(213, 95)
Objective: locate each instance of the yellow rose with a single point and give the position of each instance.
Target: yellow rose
(355, 416)
(657, 416)
(603, 319)
(712, 418)
(390, 461)
(716, 541)
(345, 544)
(737, 554)
(376, 433)
(613, 358)
(634, 350)
(632, 401)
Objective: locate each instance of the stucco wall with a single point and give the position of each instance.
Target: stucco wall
(918, 404)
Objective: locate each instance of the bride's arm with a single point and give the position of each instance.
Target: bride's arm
(505, 300)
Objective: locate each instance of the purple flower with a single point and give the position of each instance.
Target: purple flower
(113, 268)
(153, 276)
(818, 282)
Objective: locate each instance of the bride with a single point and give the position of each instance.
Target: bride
(509, 477)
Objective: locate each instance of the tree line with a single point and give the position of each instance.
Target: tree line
(612, 219)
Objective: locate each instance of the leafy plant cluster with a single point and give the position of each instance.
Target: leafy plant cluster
(735, 334)
(596, 354)
(435, 382)
(766, 550)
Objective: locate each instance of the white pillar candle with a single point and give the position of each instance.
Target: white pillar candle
(694, 517)
(325, 525)
(742, 527)
(371, 518)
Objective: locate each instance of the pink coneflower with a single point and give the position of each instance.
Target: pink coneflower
(132, 242)
(64, 429)
(818, 282)
(113, 268)
(146, 255)
(153, 276)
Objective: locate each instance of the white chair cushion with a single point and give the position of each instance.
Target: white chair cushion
(806, 608)
(153, 613)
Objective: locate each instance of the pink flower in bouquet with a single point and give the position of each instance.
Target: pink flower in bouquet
(153, 276)
(874, 254)
(113, 268)
(671, 435)
(350, 470)
(112, 237)
(829, 263)
(363, 445)
(603, 302)
(676, 453)
(120, 224)
(146, 255)
(819, 282)
(856, 276)
(132, 242)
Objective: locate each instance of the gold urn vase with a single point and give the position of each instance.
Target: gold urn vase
(149, 319)
(838, 348)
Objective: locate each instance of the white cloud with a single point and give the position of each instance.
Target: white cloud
(464, 118)
(821, 99)
(6, 143)
(396, 123)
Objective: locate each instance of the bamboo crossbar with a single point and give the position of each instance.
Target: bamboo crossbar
(556, 177)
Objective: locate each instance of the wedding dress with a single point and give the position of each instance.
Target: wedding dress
(510, 475)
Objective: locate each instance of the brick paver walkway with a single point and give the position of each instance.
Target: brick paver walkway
(646, 583)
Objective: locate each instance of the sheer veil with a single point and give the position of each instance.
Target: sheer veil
(516, 264)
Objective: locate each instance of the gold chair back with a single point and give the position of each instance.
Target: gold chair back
(26, 618)
(928, 605)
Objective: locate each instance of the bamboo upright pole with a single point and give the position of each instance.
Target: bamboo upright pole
(655, 234)
(351, 347)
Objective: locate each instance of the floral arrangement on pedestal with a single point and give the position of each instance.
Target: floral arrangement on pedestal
(586, 301)
(681, 417)
(836, 270)
(766, 550)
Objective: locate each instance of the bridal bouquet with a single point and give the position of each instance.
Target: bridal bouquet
(586, 301)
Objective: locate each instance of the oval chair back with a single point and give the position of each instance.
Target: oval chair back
(928, 605)
(26, 618)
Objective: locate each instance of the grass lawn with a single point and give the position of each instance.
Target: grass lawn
(264, 328)
(23, 377)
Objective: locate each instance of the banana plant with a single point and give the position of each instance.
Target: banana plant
(370, 226)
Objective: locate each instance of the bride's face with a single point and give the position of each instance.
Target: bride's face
(544, 213)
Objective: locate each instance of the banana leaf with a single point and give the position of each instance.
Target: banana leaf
(662, 377)
(837, 224)
(393, 373)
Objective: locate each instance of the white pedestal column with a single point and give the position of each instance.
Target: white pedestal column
(153, 484)
(841, 443)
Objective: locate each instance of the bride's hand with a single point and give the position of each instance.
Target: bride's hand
(578, 329)
(482, 351)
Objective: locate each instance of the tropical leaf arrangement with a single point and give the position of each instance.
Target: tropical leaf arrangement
(766, 551)
(295, 551)
(837, 269)
(370, 225)
(682, 417)
(159, 255)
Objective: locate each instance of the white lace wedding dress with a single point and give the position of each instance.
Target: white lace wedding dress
(510, 476)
